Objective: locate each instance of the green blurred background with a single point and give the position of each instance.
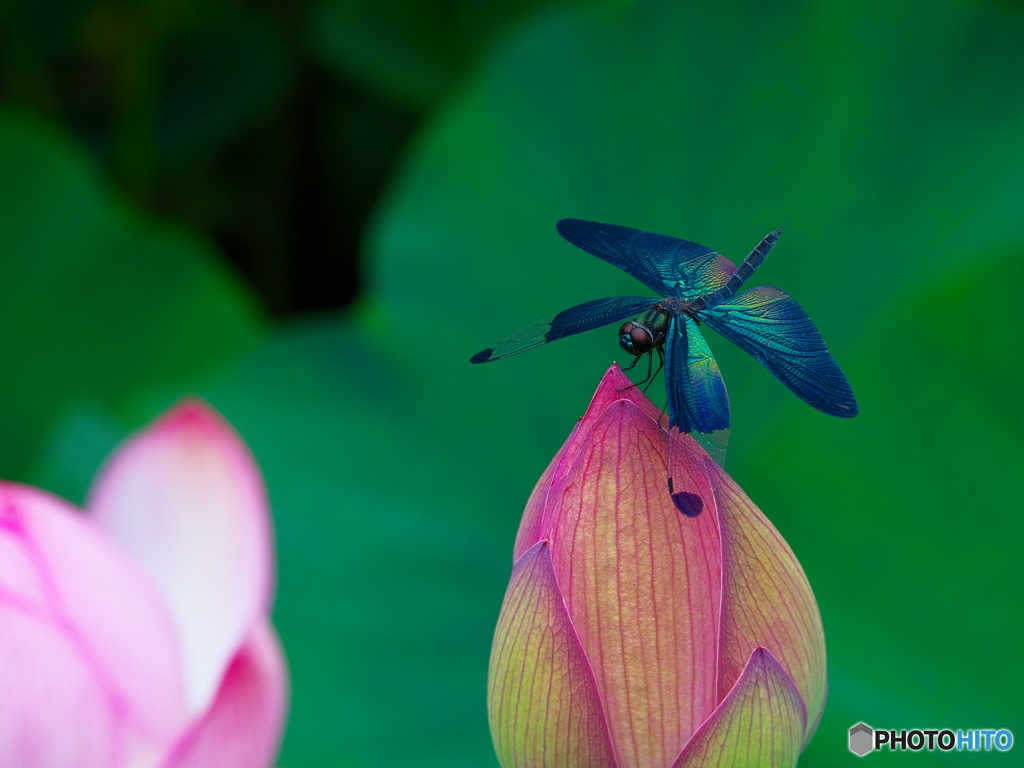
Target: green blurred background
(312, 213)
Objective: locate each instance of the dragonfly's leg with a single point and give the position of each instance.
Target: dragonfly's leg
(647, 379)
(635, 361)
(661, 364)
(664, 408)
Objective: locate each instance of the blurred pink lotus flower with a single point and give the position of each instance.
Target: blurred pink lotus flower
(632, 636)
(136, 635)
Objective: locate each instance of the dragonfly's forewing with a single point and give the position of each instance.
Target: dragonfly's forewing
(668, 265)
(582, 317)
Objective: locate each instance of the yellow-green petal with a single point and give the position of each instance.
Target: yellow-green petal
(542, 700)
(767, 602)
(759, 724)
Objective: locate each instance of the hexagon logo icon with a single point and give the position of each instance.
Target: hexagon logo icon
(861, 738)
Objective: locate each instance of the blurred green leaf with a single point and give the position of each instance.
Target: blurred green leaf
(78, 443)
(219, 78)
(407, 51)
(95, 301)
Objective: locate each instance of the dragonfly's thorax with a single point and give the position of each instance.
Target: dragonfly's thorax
(670, 307)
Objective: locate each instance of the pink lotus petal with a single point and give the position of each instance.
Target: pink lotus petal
(768, 602)
(185, 497)
(642, 584)
(542, 699)
(59, 571)
(759, 724)
(614, 386)
(54, 711)
(242, 729)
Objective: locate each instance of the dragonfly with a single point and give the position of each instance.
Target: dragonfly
(696, 286)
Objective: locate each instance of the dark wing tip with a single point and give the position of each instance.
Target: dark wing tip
(567, 227)
(840, 401)
(690, 504)
(849, 411)
(482, 357)
(845, 408)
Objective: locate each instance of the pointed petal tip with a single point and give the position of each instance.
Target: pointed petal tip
(191, 413)
(188, 472)
(760, 722)
(615, 386)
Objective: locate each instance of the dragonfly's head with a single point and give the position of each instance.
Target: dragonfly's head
(636, 339)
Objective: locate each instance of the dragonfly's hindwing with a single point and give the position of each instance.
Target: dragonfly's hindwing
(776, 330)
(697, 399)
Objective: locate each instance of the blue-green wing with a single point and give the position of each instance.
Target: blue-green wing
(668, 265)
(697, 404)
(697, 400)
(582, 317)
(776, 330)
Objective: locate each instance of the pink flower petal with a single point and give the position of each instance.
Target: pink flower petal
(536, 521)
(54, 711)
(542, 699)
(243, 727)
(768, 602)
(185, 497)
(642, 583)
(759, 724)
(60, 571)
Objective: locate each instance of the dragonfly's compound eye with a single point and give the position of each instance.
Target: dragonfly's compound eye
(635, 339)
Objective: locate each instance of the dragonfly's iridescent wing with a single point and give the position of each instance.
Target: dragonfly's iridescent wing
(668, 265)
(776, 330)
(697, 400)
(582, 317)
